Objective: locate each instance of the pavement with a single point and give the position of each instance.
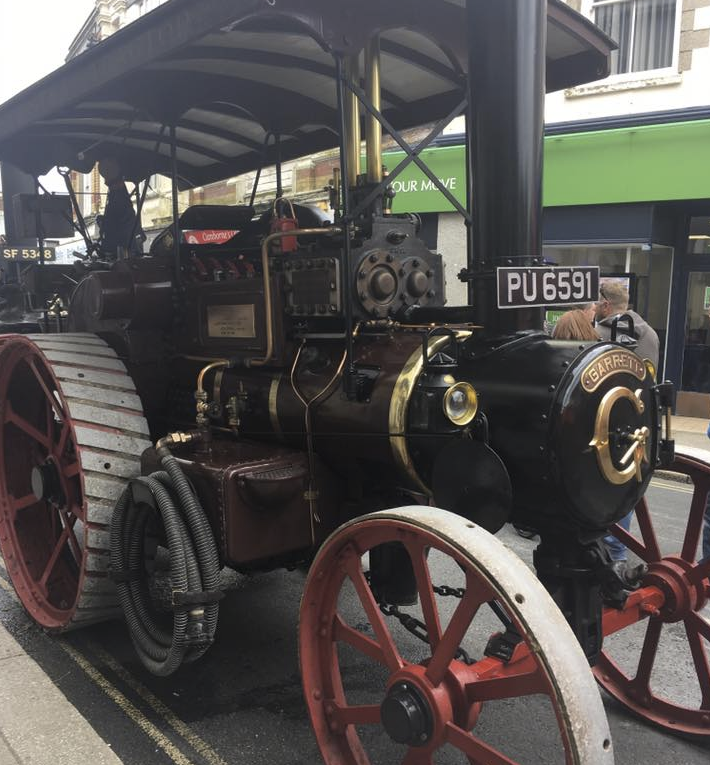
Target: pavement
(688, 433)
(691, 431)
(58, 734)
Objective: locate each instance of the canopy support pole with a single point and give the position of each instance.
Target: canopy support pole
(176, 211)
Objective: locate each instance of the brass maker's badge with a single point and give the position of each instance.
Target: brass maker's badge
(636, 443)
(612, 363)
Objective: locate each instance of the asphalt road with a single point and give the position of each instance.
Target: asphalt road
(243, 705)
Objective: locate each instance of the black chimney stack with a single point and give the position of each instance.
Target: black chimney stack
(506, 80)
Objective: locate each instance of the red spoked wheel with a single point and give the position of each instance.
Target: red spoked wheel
(71, 432)
(377, 694)
(667, 609)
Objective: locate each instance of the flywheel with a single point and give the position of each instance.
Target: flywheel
(72, 432)
(483, 667)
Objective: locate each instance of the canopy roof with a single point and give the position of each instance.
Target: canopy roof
(228, 72)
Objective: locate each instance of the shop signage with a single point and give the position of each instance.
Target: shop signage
(27, 254)
(416, 192)
(547, 285)
(706, 300)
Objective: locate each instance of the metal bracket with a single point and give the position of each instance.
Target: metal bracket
(665, 397)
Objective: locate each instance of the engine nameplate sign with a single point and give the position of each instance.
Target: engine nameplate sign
(231, 320)
(539, 286)
(612, 363)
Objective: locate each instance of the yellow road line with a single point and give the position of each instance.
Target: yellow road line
(682, 489)
(126, 706)
(200, 746)
(9, 589)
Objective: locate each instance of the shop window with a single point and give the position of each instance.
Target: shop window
(648, 269)
(699, 239)
(647, 32)
(696, 353)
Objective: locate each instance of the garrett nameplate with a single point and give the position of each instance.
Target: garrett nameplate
(612, 363)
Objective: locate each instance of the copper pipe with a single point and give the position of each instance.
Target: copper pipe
(374, 94)
(201, 397)
(218, 364)
(352, 110)
(267, 282)
(307, 404)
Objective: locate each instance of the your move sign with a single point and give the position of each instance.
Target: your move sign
(547, 285)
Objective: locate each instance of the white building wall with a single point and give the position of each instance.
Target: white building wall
(451, 243)
(138, 8)
(683, 85)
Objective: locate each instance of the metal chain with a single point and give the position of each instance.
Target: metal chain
(445, 590)
(416, 627)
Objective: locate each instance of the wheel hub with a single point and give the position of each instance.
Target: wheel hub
(46, 482)
(681, 596)
(406, 715)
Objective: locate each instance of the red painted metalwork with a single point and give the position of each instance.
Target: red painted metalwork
(452, 690)
(676, 588)
(38, 537)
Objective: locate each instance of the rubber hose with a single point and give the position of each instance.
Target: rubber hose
(194, 567)
(160, 651)
(207, 554)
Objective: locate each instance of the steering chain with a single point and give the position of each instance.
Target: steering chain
(417, 628)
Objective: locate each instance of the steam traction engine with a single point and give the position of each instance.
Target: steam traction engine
(266, 403)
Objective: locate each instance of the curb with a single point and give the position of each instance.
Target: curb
(669, 475)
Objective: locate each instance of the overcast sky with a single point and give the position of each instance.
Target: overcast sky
(36, 35)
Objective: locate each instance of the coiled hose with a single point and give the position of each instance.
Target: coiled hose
(193, 565)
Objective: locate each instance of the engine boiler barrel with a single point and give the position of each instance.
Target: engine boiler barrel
(575, 426)
(370, 430)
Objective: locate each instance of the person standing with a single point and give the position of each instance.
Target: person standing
(575, 325)
(613, 302)
(119, 231)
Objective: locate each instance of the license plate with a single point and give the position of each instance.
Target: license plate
(547, 285)
(27, 254)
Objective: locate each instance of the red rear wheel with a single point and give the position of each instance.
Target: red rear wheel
(667, 610)
(71, 431)
(376, 694)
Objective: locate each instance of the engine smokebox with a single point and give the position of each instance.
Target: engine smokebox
(576, 424)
